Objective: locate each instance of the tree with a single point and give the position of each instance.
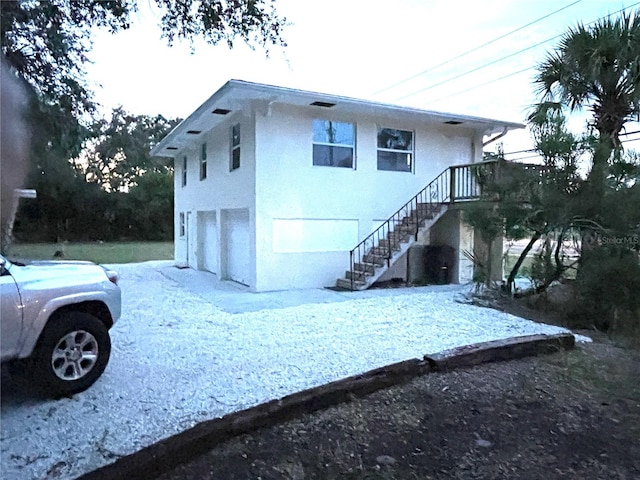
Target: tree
(47, 42)
(597, 68)
(119, 152)
(86, 199)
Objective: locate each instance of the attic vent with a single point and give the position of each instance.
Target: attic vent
(194, 132)
(323, 104)
(453, 122)
(221, 111)
(172, 148)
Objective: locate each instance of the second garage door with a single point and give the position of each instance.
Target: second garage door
(238, 246)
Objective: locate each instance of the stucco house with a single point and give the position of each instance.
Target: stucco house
(275, 188)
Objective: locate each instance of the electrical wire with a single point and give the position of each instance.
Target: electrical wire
(474, 49)
(501, 59)
(480, 85)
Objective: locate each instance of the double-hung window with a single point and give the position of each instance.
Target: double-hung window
(333, 143)
(395, 150)
(235, 147)
(184, 171)
(203, 161)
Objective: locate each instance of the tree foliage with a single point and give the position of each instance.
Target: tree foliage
(48, 42)
(597, 67)
(113, 190)
(119, 152)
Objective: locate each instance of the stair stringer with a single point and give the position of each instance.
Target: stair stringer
(396, 255)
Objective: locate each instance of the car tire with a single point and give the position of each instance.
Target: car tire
(72, 353)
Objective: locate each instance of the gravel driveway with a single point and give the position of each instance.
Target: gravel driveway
(189, 348)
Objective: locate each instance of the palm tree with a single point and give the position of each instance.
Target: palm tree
(597, 68)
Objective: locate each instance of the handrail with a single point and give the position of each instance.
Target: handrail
(456, 183)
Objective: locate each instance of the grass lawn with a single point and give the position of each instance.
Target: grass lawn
(114, 252)
(525, 268)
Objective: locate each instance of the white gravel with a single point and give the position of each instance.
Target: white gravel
(179, 357)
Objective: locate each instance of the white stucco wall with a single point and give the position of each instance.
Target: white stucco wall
(350, 201)
(222, 191)
(452, 231)
(303, 219)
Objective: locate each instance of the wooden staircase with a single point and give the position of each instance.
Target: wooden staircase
(372, 257)
(388, 250)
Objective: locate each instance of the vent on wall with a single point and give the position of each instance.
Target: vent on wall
(221, 111)
(194, 132)
(172, 148)
(323, 104)
(453, 122)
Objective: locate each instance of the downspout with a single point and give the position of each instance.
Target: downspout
(500, 135)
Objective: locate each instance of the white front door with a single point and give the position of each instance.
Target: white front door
(192, 239)
(208, 242)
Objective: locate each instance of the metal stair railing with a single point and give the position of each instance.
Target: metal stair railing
(456, 183)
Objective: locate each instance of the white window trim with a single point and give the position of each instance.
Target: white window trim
(236, 147)
(203, 162)
(411, 152)
(184, 171)
(346, 145)
(182, 225)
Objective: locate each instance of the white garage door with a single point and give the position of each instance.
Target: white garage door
(238, 246)
(209, 242)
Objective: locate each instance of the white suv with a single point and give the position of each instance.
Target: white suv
(58, 315)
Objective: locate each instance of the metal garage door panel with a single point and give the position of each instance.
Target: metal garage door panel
(238, 246)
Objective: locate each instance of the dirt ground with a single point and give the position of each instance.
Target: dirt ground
(569, 415)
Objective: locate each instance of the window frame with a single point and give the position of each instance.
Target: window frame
(352, 146)
(184, 170)
(203, 161)
(235, 147)
(411, 152)
(182, 228)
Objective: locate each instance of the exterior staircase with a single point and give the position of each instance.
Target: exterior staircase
(372, 257)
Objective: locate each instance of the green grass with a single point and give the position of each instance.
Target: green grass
(113, 252)
(525, 268)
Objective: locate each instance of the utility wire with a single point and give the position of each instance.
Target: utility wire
(474, 49)
(455, 77)
(529, 150)
(481, 85)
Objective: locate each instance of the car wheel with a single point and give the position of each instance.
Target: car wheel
(72, 352)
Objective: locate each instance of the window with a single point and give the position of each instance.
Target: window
(333, 143)
(395, 150)
(184, 171)
(182, 228)
(235, 146)
(203, 162)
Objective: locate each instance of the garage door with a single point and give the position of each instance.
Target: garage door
(238, 246)
(209, 242)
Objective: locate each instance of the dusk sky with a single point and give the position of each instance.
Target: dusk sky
(465, 57)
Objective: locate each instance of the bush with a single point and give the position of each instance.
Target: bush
(607, 289)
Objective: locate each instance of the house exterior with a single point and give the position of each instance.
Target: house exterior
(275, 186)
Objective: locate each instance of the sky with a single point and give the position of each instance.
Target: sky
(460, 57)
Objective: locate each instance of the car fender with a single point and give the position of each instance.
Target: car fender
(110, 298)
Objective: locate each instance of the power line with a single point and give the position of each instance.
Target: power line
(484, 84)
(533, 149)
(474, 49)
(455, 77)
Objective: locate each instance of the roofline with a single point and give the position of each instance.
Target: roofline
(265, 88)
(368, 103)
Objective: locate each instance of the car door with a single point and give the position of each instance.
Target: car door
(10, 314)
